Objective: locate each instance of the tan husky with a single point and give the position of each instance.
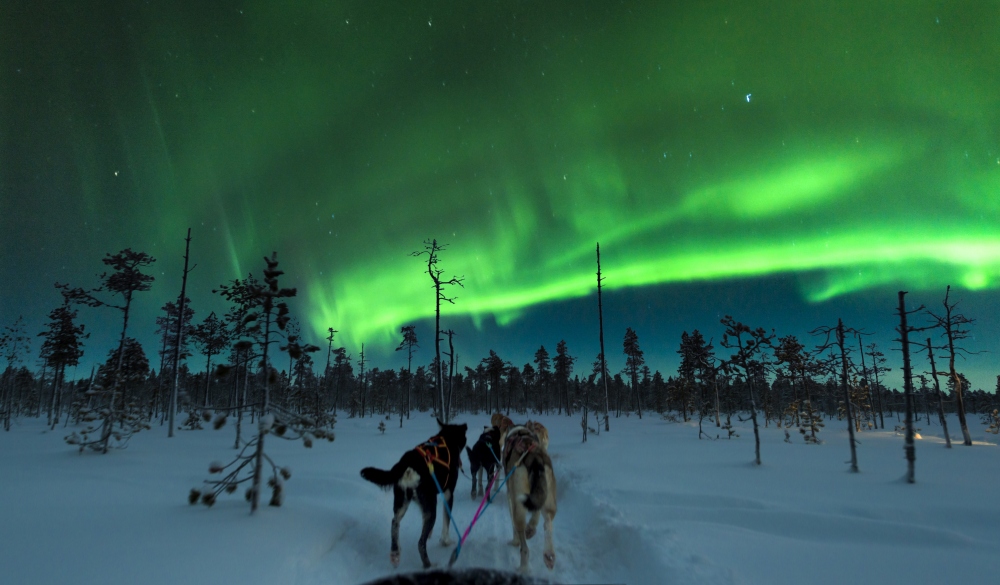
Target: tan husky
(531, 488)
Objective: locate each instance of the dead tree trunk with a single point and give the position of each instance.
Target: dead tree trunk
(910, 448)
(179, 340)
(937, 390)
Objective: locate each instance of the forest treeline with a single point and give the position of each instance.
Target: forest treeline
(215, 364)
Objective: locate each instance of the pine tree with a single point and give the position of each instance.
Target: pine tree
(248, 465)
(633, 361)
(749, 358)
(408, 343)
(125, 279)
(213, 337)
(563, 369)
(62, 347)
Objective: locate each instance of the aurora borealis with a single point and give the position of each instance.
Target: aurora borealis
(845, 150)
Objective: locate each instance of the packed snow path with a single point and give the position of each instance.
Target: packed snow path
(646, 503)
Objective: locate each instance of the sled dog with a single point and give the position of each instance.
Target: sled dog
(411, 479)
(503, 423)
(540, 431)
(530, 489)
(483, 458)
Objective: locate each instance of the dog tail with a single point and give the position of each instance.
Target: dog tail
(383, 478)
(535, 499)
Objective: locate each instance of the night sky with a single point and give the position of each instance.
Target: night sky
(788, 163)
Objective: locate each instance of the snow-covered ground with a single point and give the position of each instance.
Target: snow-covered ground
(646, 503)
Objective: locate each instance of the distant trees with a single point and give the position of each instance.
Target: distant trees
(212, 336)
(563, 364)
(63, 346)
(409, 343)
(14, 345)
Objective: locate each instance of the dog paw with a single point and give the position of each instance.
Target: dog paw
(394, 559)
(447, 542)
(513, 542)
(529, 532)
(550, 560)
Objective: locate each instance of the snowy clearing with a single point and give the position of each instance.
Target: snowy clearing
(646, 503)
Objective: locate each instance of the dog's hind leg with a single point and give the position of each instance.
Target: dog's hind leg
(522, 542)
(399, 505)
(445, 524)
(550, 551)
(428, 506)
(532, 525)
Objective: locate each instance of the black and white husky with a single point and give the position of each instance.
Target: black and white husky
(411, 479)
(483, 457)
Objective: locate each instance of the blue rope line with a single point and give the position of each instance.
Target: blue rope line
(447, 508)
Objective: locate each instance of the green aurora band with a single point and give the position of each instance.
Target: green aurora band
(854, 145)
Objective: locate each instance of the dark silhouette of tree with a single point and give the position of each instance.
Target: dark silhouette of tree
(431, 250)
(604, 363)
(694, 372)
(800, 367)
(633, 361)
(904, 332)
(408, 343)
(167, 327)
(562, 370)
(878, 367)
(955, 328)
(14, 343)
(212, 336)
(841, 364)
(243, 295)
(749, 357)
(265, 309)
(63, 346)
(125, 279)
(179, 339)
(935, 375)
(543, 377)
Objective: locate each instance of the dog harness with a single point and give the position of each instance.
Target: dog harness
(431, 450)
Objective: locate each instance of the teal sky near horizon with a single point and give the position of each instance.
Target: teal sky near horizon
(849, 148)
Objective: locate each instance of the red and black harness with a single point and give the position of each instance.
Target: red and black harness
(435, 450)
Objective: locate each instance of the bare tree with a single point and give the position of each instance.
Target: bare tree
(179, 339)
(848, 406)
(431, 250)
(604, 363)
(904, 332)
(955, 329)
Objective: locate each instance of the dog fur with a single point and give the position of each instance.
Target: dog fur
(483, 458)
(410, 479)
(540, 431)
(503, 423)
(530, 489)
